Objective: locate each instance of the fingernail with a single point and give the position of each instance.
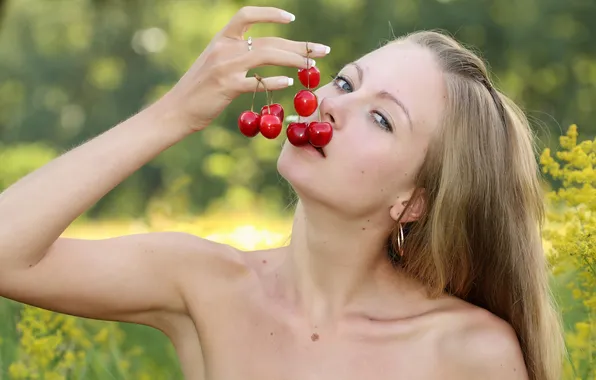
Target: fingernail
(312, 62)
(288, 16)
(321, 49)
(287, 81)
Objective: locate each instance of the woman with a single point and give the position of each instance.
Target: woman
(421, 139)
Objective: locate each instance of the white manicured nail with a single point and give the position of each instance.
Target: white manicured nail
(322, 49)
(312, 62)
(288, 16)
(290, 82)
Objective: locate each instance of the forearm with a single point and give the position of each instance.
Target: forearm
(36, 210)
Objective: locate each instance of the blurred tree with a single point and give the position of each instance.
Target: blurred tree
(2, 10)
(72, 68)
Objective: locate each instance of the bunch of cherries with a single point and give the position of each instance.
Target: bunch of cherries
(269, 121)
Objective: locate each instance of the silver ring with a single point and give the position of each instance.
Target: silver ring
(249, 42)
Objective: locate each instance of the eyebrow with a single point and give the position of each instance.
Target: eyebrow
(384, 94)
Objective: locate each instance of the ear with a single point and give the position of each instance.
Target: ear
(413, 213)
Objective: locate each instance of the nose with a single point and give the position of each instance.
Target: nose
(329, 111)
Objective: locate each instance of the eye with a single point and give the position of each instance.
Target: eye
(343, 84)
(381, 121)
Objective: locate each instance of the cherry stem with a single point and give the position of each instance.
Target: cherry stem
(260, 80)
(255, 93)
(308, 51)
(269, 97)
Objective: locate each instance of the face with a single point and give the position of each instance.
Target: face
(384, 109)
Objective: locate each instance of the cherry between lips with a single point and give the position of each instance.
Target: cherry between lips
(315, 150)
(269, 122)
(320, 150)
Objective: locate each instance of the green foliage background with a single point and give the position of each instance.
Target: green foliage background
(70, 69)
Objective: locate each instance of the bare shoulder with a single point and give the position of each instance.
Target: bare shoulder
(204, 255)
(477, 344)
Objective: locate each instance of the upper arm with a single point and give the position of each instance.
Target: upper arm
(487, 350)
(127, 278)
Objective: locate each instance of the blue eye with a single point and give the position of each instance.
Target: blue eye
(342, 84)
(382, 121)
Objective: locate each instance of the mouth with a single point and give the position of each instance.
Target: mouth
(313, 149)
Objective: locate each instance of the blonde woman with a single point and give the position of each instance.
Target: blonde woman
(415, 250)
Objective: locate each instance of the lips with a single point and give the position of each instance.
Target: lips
(314, 149)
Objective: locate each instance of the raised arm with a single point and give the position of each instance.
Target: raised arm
(132, 277)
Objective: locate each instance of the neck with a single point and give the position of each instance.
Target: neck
(335, 260)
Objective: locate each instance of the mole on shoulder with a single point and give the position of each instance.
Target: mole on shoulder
(314, 337)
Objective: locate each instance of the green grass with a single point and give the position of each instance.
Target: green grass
(9, 316)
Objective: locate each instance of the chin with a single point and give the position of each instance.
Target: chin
(309, 177)
(305, 172)
(295, 169)
(314, 183)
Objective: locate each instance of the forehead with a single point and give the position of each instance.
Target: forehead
(411, 73)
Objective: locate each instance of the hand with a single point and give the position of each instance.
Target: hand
(219, 74)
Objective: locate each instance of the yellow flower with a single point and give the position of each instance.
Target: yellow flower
(570, 235)
(577, 294)
(124, 365)
(18, 371)
(101, 336)
(52, 375)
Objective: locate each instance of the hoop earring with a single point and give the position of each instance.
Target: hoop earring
(400, 240)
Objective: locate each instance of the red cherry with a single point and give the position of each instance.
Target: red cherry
(248, 123)
(297, 134)
(319, 133)
(270, 126)
(310, 78)
(273, 109)
(305, 103)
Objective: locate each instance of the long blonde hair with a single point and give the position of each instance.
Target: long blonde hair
(480, 237)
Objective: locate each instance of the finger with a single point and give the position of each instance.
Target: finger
(247, 16)
(316, 50)
(271, 83)
(270, 57)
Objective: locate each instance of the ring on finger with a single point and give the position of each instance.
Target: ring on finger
(249, 43)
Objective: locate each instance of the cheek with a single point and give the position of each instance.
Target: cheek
(373, 167)
(378, 167)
